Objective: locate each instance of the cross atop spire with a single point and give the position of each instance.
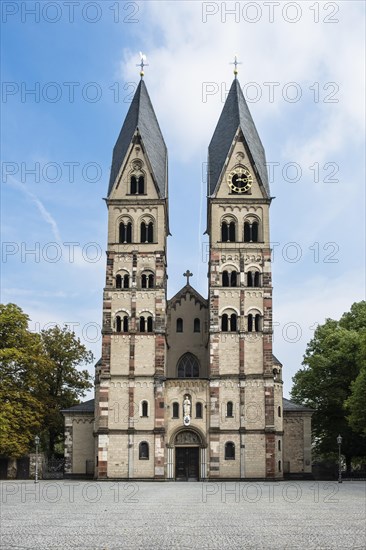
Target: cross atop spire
(142, 64)
(188, 274)
(236, 63)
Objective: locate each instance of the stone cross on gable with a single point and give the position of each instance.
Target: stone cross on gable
(188, 274)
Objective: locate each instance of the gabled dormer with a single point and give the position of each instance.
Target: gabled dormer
(236, 157)
(140, 159)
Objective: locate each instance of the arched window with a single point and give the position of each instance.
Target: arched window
(229, 451)
(125, 323)
(144, 450)
(257, 323)
(143, 232)
(255, 232)
(229, 278)
(228, 232)
(188, 366)
(229, 409)
(179, 325)
(229, 323)
(175, 410)
(150, 232)
(144, 408)
(251, 232)
(137, 186)
(147, 232)
(233, 278)
(125, 232)
(198, 410)
(147, 280)
(279, 466)
(253, 279)
(246, 232)
(254, 322)
(279, 444)
(122, 281)
(146, 324)
(141, 185)
(232, 232)
(142, 324)
(279, 411)
(122, 323)
(250, 322)
(196, 325)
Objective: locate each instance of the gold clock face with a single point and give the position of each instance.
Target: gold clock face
(240, 180)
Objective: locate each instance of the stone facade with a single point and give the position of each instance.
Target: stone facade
(187, 388)
(297, 441)
(79, 439)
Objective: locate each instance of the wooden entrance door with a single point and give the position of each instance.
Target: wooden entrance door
(187, 463)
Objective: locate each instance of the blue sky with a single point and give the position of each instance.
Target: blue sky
(302, 73)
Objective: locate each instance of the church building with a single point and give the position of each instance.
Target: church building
(188, 387)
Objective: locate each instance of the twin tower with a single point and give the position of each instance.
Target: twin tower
(188, 388)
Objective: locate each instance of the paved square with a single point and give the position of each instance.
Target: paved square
(106, 515)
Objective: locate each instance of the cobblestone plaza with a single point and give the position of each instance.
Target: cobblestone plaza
(106, 515)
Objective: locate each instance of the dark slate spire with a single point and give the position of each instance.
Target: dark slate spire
(235, 114)
(141, 117)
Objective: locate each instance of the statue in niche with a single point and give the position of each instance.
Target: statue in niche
(186, 406)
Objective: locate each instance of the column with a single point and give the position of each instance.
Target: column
(203, 463)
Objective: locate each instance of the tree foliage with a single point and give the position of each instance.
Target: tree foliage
(39, 377)
(356, 402)
(331, 383)
(22, 370)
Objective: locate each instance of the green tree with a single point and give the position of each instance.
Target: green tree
(39, 377)
(331, 365)
(65, 384)
(23, 367)
(355, 404)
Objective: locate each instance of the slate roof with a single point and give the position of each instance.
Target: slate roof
(86, 407)
(141, 117)
(291, 406)
(235, 114)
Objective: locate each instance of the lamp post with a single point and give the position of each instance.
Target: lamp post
(339, 441)
(36, 440)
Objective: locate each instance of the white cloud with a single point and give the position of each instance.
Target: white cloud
(191, 53)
